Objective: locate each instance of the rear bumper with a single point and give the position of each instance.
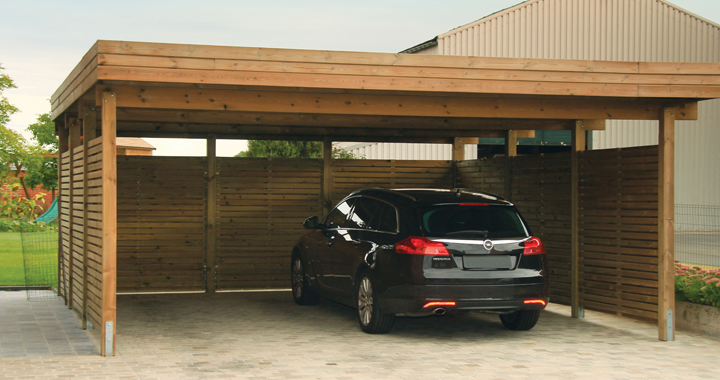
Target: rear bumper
(410, 298)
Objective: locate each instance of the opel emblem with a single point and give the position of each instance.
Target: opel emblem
(488, 244)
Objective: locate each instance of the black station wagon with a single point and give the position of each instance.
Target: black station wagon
(419, 252)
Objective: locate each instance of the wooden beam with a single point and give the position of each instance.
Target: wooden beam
(248, 119)
(511, 138)
(666, 225)
(212, 173)
(355, 134)
(74, 142)
(388, 105)
(327, 176)
(63, 136)
(578, 145)
(458, 149)
(89, 116)
(109, 224)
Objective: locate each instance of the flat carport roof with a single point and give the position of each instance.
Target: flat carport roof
(138, 89)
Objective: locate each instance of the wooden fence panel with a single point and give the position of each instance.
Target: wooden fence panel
(541, 192)
(93, 240)
(351, 175)
(161, 223)
(486, 175)
(78, 223)
(65, 224)
(619, 231)
(261, 206)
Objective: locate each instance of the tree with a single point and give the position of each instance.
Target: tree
(6, 109)
(291, 149)
(16, 154)
(46, 174)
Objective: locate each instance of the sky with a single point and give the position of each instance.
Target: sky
(43, 40)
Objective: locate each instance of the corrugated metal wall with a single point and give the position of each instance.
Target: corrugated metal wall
(402, 151)
(618, 30)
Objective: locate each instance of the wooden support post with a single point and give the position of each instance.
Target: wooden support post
(86, 111)
(327, 175)
(578, 145)
(63, 136)
(510, 151)
(212, 173)
(109, 224)
(666, 225)
(458, 149)
(75, 141)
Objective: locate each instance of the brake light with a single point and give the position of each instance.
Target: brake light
(438, 304)
(473, 204)
(534, 247)
(421, 246)
(530, 302)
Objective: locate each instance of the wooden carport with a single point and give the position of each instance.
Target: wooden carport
(606, 216)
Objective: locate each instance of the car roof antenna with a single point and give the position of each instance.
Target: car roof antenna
(457, 192)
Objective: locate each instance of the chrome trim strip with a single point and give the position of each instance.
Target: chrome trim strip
(480, 242)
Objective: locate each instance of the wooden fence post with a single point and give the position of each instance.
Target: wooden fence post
(75, 141)
(510, 151)
(666, 225)
(578, 145)
(212, 172)
(63, 136)
(327, 175)
(109, 224)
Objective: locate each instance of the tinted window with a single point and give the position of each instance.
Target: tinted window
(340, 213)
(472, 222)
(387, 218)
(363, 212)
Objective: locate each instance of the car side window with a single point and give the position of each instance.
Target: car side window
(387, 218)
(363, 212)
(340, 213)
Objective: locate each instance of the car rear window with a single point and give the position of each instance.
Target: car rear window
(475, 222)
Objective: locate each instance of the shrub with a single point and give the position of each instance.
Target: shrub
(698, 285)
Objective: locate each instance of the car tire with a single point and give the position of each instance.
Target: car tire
(370, 316)
(520, 320)
(302, 293)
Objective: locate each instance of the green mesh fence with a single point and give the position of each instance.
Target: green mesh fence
(40, 256)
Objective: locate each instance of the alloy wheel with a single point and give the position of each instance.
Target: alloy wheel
(297, 278)
(365, 301)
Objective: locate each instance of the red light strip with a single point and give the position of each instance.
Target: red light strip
(435, 304)
(542, 302)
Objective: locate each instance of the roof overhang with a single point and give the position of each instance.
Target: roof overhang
(172, 90)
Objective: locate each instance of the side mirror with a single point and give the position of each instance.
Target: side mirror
(311, 222)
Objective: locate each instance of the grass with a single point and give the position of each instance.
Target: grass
(12, 269)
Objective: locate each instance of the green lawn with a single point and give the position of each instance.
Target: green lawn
(12, 270)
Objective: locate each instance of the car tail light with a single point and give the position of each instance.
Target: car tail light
(534, 247)
(438, 304)
(473, 204)
(421, 246)
(539, 302)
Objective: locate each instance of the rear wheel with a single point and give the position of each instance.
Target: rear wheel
(301, 291)
(370, 316)
(520, 320)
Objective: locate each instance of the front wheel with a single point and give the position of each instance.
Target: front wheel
(301, 291)
(520, 320)
(371, 318)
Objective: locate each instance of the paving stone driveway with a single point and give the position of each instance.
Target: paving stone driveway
(265, 335)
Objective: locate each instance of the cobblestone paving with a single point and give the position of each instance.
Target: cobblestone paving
(265, 335)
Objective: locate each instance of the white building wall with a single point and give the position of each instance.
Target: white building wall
(616, 30)
(402, 151)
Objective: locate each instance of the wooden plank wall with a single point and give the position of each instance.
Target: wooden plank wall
(78, 223)
(619, 231)
(351, 175)
(93, 239)
(161, 223)
(540, 189)
(65, 224)
(541, 192)
(261, 204)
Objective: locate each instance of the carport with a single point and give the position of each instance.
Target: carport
(171, 224)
